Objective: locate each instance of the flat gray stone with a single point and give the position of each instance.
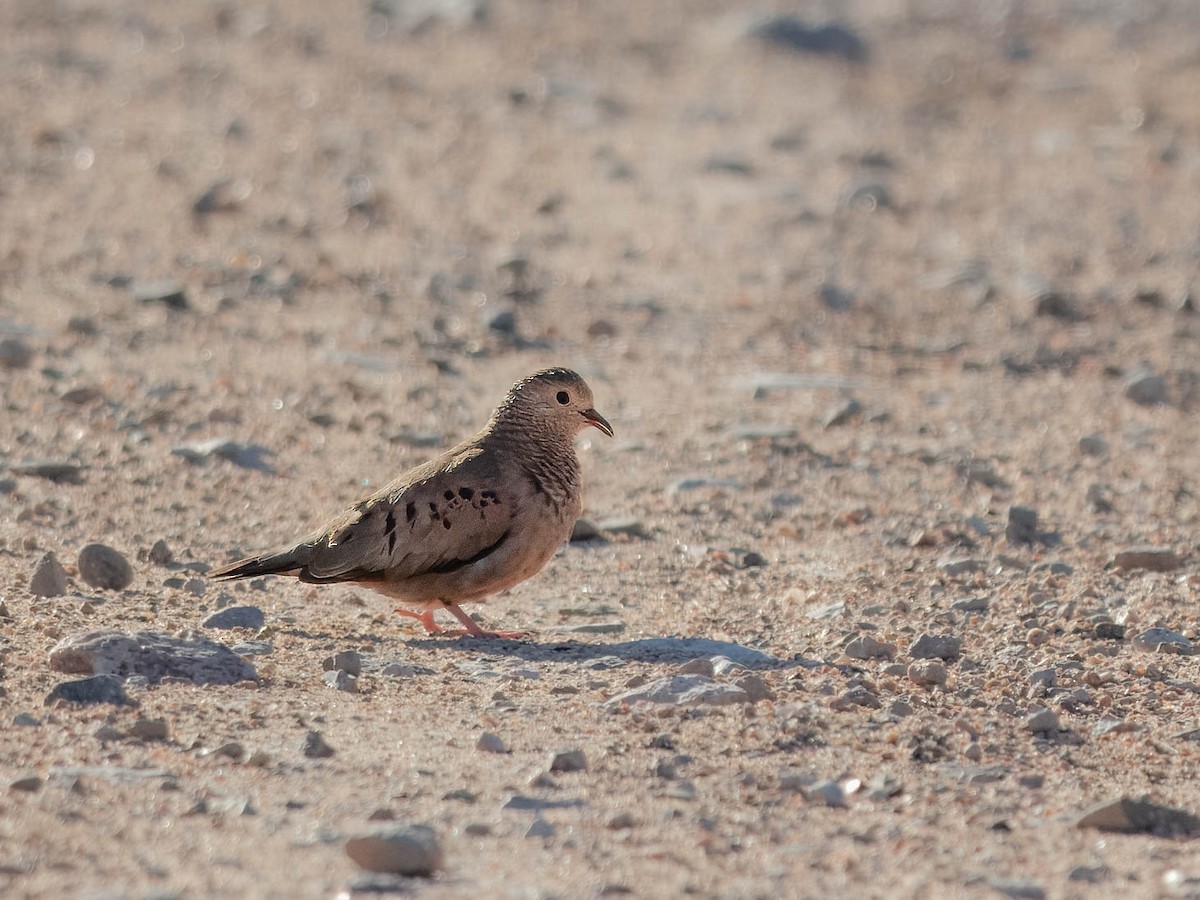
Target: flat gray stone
(98, 689)
(49, 577)
(409, 850)
(103, 567)
(150, 654)
(1138, 816)
(683, 690)
(936, 646)
(1152, 559)
(236, 617)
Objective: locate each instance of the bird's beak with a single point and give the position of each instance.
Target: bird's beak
(594, 418)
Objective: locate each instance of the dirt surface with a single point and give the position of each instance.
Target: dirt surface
(847, 297)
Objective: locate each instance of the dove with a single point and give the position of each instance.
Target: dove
(481, 517)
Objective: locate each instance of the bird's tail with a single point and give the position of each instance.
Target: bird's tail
(281, 562)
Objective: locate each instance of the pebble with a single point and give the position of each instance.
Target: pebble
(236, 617)
(971, 605)
(341, 681)
(150, 730)
(936, 646)
(1145, 388)
(26, 720)
(49, 577)
(1163, 640)
(156, 656)
(15, 354)
(754, 686)
(1056, 305)
(51, 470)
(348, 661)
(829, 792)
(160, 554)
(405, 670)
(822, 39)
(927, 673)
(697, 667)
(409, 850)
(315, 746)
(569, 761)
(245, 456)
(491, 743)
(253, 648)
(841, 413)
(1093, 445)
(1139, 816)
(1018, 888)
(1109, 631)
(683, 690)
(30, 784)
(629, 527)
(867, 647)
(613, 627)
(170, 293)
(1022, 525)
(1043, 721)
(97, 689)
(1153, 559)
(855, 696)
(964, 566)
(105, 568)
(540, 828)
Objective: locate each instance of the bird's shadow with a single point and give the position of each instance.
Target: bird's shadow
(648, 650)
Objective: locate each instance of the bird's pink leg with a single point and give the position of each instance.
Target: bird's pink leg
(425, 618)
(474, 630)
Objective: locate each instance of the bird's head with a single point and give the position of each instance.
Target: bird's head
(557, 397)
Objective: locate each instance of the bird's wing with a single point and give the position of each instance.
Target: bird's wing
(440, 517)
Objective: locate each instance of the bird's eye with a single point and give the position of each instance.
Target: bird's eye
(563, 397)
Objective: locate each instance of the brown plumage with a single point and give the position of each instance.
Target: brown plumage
(481, 517)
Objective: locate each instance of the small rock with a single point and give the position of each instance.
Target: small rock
(569, 761)
(237, 617)
(49, 577)
(540, 828)
(15, 354)
(1042, 721)
(1018, 888)
(490, 743)
(756, 689)
(405, 670)
(936, 646)
(30, 784)
(1093, 445)
(315, 746)
(171, 294)
(1056, 305)
(51, 470)
(927, 673)
(1109, 631)
(629, 527)
(341, 681)
(855, 696)
(97, 689)
(1139, 816)
(621, 821)
(245, 456)
(1145, 388)
(156, 656)
(965, 566)
(105, 568)
(150, 730)
(411, 850)
(700, 666)
(585, 530)
(683, 690)
(26, 720)
(160, 553)
(348, 661)
(1153, 559)
(823, 39)
(867, 647)
(1089, 874)
(1163, 640)
(828, 792)
(1022, 525)
(841, 414)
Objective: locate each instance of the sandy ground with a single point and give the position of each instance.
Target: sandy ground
(844, 310)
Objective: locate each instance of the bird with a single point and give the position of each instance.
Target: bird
(483, 516)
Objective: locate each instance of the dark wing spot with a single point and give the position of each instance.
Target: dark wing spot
(391, 543)
(410, 511)
(389, 524)
(466, 493)
(446, 524)
(449, 495)
(455, 564)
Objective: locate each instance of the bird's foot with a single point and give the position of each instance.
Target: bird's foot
(472, 628)
(425, 618)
